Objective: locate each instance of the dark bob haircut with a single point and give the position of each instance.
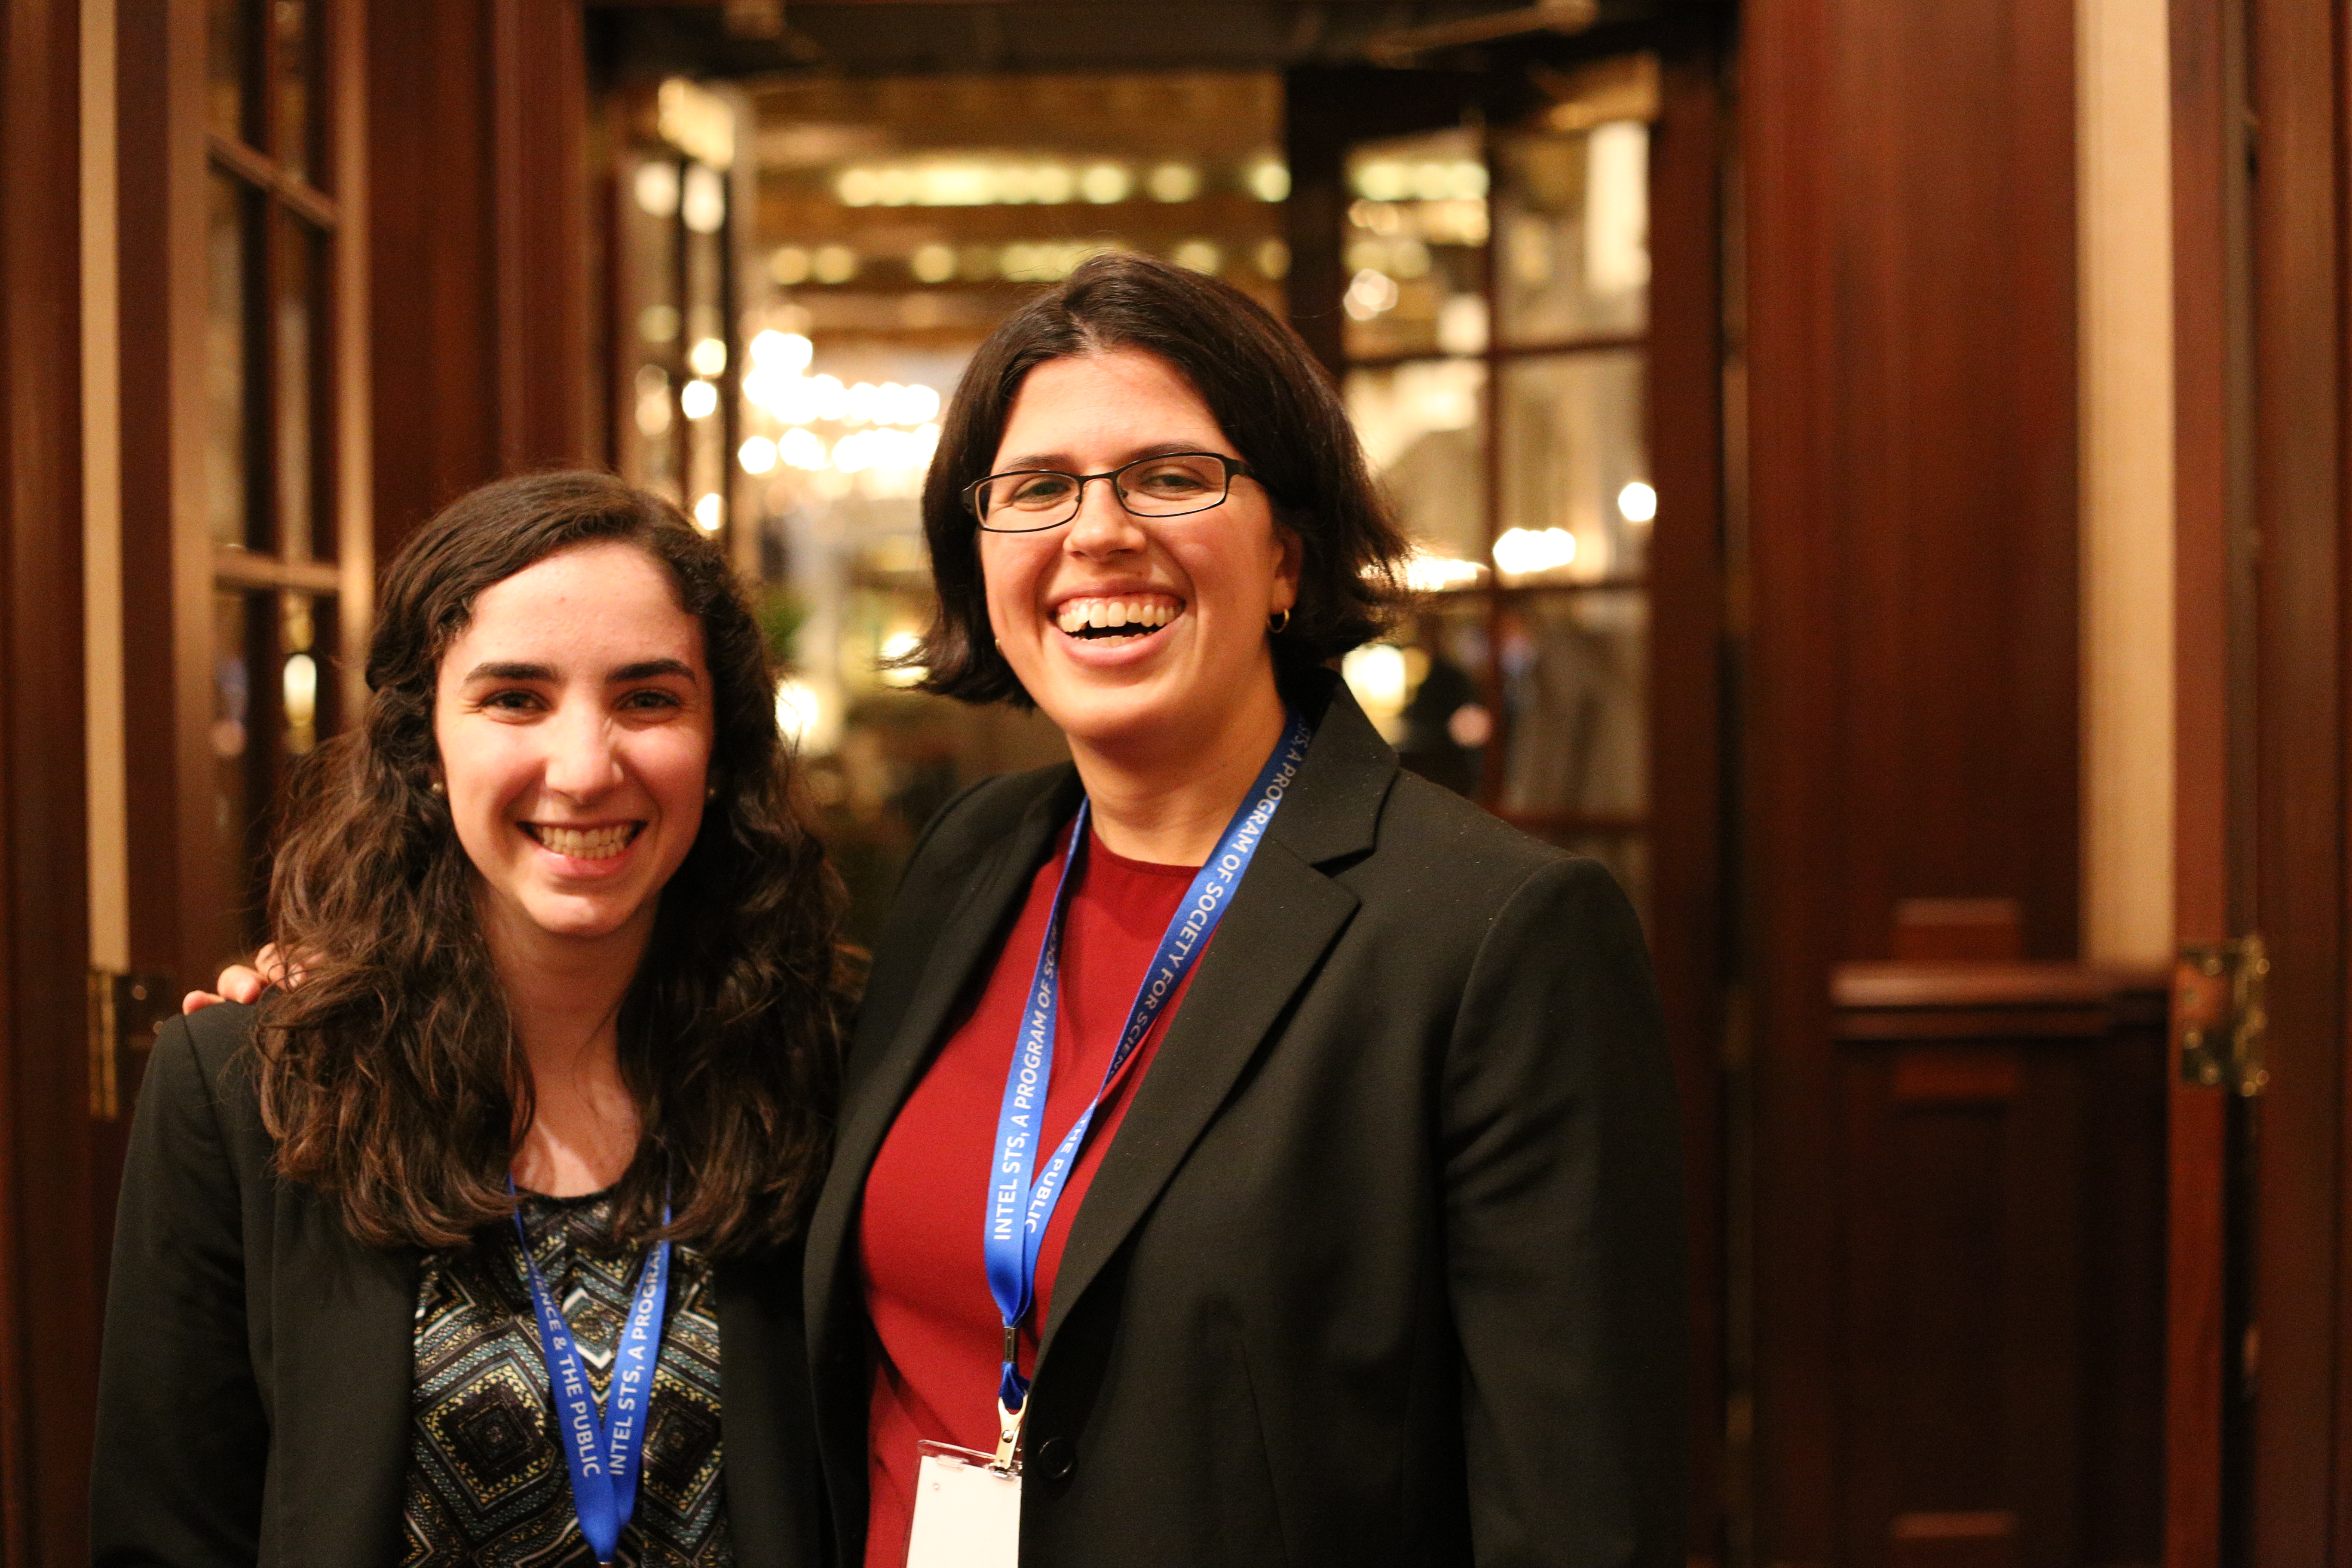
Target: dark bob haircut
(1268, 395)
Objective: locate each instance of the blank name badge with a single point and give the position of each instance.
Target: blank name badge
(967, 1514)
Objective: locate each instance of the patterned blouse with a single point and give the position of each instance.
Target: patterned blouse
(487, 1484)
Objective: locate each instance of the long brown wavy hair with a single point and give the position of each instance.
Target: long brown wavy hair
(390, 1075)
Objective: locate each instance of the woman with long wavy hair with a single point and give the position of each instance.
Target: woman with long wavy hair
(437, 1257)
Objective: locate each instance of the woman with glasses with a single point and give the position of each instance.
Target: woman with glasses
(1253, 1153)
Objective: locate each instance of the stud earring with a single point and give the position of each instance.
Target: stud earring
(1279, 622)
(437, 789)
(710, 792)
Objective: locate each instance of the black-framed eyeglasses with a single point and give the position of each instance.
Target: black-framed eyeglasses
(1172, 484)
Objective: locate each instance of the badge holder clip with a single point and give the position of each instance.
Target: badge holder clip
(968, 1504)
(1007, 1461)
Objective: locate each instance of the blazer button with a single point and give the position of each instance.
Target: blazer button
(1056, 1459)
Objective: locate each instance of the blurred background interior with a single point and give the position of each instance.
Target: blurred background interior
(842, 242)
(1875, 472)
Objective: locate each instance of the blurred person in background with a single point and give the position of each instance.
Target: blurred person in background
(1252, 1153)
(481, 1244)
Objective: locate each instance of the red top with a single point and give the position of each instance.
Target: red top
(939, 1338)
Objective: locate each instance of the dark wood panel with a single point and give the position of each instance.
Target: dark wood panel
(2204, 93)
(1686, 910)
(50, 1233)
(2295, 64)
(1951, 503)
(431, 244)
(2001, 1238)
(538, 158)
(1941, 987)
(2203, 268)
(2122, 1169)
(177, 921)
(1908, 588)
(480, 291)
(1787, 590)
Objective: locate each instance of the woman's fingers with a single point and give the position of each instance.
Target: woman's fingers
(245, 982)
(276, 968)
(239, 983)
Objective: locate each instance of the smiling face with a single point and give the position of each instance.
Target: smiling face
(574, 722)
(1135, 633)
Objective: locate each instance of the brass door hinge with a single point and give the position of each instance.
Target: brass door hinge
(124, 1011)
(2220, 1014)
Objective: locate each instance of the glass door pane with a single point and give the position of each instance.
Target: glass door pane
(231, 428)
(653, 355)
(293, 58)
(1498, 295)
(1443, 725)
(1416, 246)
(232, 59)
(1423, 428)
(1576, 502)
(298, 389)
(1572, 226)
(245, 740)
(1574, 676)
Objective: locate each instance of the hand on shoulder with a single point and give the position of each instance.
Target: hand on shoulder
(243, 983)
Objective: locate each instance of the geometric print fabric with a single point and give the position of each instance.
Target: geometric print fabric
(487, 1484)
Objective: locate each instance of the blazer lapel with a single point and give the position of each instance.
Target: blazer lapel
(968, 937)
(1282, 919)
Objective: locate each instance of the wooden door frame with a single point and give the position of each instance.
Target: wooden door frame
(177, 924)
(2296, 1511)
(2208, 292)
(1690, 787)
(48, 1231)
(2259, 1465)
(481, 326)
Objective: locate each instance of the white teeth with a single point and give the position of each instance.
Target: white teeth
(1077, 615)
(585, 844)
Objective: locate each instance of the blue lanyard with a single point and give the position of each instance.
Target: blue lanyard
(603, 1455)
(1019, 1210)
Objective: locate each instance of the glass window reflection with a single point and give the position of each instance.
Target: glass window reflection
(233, 216)
(1572, 218)
(1573, 449)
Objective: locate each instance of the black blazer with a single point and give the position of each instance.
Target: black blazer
(1385, 1264)
(254, 1397)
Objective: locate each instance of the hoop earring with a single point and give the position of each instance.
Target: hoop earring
(1279, 622)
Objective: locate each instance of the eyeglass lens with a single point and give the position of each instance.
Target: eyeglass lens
(1166, 486)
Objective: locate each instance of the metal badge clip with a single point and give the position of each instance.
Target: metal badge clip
(1008, 1438)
